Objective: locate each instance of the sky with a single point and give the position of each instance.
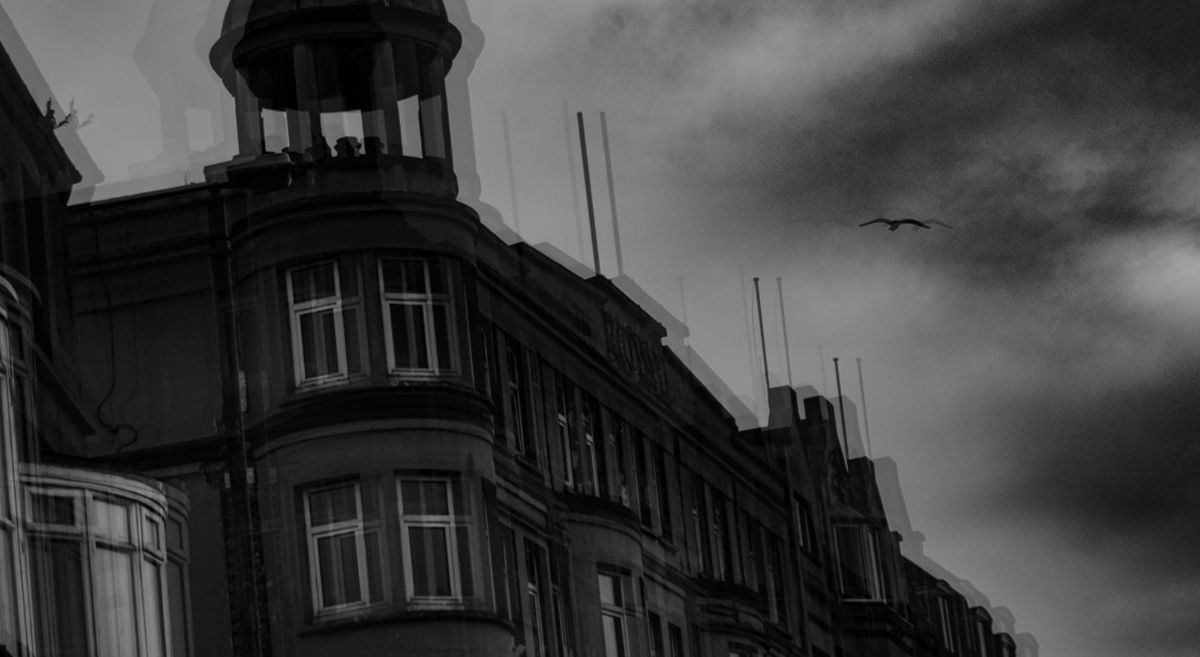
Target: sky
(1033, 370)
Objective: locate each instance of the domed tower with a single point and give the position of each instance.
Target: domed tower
(341, 79)
(351, 370)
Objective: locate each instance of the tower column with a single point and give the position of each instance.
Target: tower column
(250, 129)
(304, 123)
(383, 121)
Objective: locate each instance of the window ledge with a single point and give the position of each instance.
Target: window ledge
(370, 617)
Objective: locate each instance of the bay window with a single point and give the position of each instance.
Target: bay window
(326, 323)
(97, 566)
(418, 315)
(436, 530)
(343, 532)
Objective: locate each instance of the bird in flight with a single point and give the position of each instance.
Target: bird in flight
(895, 224)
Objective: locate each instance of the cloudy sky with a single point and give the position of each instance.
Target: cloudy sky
(1034, 370)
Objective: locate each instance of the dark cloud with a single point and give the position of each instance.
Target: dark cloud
(1041, 130)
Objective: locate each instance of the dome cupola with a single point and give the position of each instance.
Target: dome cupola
(328, 79)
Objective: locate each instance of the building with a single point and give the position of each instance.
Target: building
(93, 557)
(372, 426)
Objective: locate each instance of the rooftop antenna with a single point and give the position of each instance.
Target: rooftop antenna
(841, 410)
(762, 340)
(574, 181)
(862, 392)
(587, 188)
(512, 178)
(787, 352)
(612, 196)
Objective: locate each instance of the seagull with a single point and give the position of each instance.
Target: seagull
(895, 224)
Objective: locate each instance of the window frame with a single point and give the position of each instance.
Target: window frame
(614, 610)
(90, 536)
(297, 310)
(426, 300)
(450, 522)
(359, 527)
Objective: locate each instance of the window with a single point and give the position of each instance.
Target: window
(644, 484)
(779, 592)
(345, 570)
(617, 433)
(947, 626)
(675, 636)
(533, 593)
(565, 422)
(612, 616)
(559, 601)
(656, 635)
(663, 492)
(723, 562)
(982, 636)
(589, 412)
(327, 336)
(537, 406)
(700, 524)
(9, 622)
(514, 395)
(436, 530)
(805, 538)
(508, 595)
(860, 567)
(418, 315)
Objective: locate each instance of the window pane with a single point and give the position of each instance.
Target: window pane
(614, 637)
(337, 560)
(151, 534)
(58, 597)
(311, 283)
(176, 597)
(318, 343)
(152, 603)
(404, 276)
(426, 498)
(465, 571)
(370, 500)
(375, 583)
(53, 509)
(110, 520)
(335, 505)
(610, 590)
(174, 535)
(430, 565)
(353, 342)
(442, 336)
(457, 499)
(437, 277)
(112, 581)
(408, 336)
(8, 600)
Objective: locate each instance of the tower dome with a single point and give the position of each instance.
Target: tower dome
(339, 78)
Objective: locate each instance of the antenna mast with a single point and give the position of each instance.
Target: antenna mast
(762, 338)
(574, 182)
(587, 187)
